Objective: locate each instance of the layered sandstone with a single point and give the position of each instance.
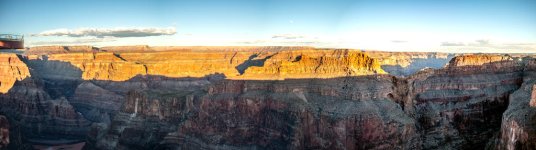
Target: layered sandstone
(12, 69)
(234, 65)
(92, 66)
(475, 60)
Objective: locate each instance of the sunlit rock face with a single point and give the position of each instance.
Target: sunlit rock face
(476, 60)
(11, 69)
(97, 66)
(261, 65)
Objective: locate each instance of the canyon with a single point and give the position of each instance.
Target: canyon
(142, 97)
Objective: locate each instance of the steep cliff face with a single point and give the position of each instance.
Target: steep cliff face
(461, 106)
(261, 65)
(518, 129)
(242, 114)
(249, 65)
(101, 66)
(34, 110)
(11, 69)
(476, 60)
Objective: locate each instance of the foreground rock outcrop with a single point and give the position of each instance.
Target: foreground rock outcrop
(11, 69)
(518, 128)
(461, 105)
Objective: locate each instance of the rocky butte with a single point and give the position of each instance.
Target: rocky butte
(141, 97)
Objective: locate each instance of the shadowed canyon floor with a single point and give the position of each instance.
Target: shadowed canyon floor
(140, 97)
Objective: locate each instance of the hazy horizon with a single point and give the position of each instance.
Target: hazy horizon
(420, 26)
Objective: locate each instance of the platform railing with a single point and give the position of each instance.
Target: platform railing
(11, 37)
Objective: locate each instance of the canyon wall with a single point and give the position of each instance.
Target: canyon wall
(269, 98)
(460, 106)
(518, 128)
(11, 69)
(337, 113)
(249, 65)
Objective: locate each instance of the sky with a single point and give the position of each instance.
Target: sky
(487, 26)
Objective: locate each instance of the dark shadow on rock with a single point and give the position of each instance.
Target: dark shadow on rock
(60, 78)
(252, 62)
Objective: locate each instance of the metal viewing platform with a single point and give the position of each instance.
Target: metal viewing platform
(11, 41)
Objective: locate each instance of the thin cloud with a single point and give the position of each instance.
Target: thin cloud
(520, 44)
(482, 42)
(77, 41)
(399, 41)
(282, 43)
(452, 44)
(110, 32)
(287, 36)
(489, 46)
